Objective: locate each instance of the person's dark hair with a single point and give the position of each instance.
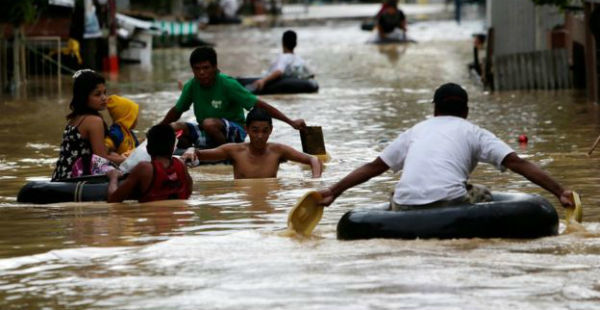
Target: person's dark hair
(85, 81)
(289, 39)
(161, 140)
(258, 115)
(451, 99)
(393, 3)
(204, 53)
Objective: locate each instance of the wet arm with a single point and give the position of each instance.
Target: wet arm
(220, 153)
(172, 116)
(317, 167)
(358, 176)
(536, 175)
(403, 25)
(190, 180)
(95, 134)
(271, 77)
(380, 30)
(293, 155)
(118, 193)
(275, 113)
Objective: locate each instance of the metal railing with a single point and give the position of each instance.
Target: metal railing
(39, 64)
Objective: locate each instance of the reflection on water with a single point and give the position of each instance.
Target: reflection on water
(223, 249)
(392, 51)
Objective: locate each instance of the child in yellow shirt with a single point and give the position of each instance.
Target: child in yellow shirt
(120, 137)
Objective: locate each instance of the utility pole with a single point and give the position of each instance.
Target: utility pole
(457, 8)
(113, 57)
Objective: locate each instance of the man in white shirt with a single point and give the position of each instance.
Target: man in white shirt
(437, 155)
(287, 64)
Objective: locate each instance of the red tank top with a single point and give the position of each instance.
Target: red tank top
(169, 183)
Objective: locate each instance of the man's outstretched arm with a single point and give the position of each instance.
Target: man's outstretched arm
(221, 152)
(358, 176)
(119, 192)
(172, 116)
(536, 175)
(291, 154)
(260, 83)
(275, 113)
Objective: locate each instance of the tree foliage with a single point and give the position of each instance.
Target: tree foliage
(21, 11)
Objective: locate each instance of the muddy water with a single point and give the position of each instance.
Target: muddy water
(222, 248)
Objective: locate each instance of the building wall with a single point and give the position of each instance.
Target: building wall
(520, 26)
(55, 21)
(123, 5)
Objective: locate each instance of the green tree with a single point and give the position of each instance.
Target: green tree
(21, 11)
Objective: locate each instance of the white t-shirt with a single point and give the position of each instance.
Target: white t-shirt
(437, 156)
(290, 65)
(230, 8)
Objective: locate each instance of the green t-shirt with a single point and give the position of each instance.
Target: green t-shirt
(225, 99)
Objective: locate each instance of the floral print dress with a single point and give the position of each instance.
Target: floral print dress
(72, 148)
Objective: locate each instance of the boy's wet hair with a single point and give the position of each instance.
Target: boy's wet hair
(161, 140)
(204, 53)
(85, 81)
(289, 39)
(258, 115)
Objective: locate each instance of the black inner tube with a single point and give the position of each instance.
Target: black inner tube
(508, 216)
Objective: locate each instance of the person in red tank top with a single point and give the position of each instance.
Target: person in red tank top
(162, 178)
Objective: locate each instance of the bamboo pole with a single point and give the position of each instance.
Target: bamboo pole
(594, 146)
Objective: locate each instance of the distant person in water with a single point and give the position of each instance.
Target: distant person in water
(162, 178)
(219, 102)
(478, 43)
(82, 150)
(257, 158)
(388, 19)
(287, 64)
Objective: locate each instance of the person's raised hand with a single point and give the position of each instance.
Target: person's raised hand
(298, 124)
(189, 155)
(327, 197)
(566, 199)
(259, 84)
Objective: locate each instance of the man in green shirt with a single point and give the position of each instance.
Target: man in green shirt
(219, 102)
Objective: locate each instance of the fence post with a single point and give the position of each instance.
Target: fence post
(59, 68)
(512, 79)
(16, 54)
(497, 73)
(3, 65)
(543, 69)
(23, 59)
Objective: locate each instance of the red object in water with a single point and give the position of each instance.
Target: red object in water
(523, 138)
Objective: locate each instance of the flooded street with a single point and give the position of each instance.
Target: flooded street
(223, 248)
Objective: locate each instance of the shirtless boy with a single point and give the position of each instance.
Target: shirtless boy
(258, 158)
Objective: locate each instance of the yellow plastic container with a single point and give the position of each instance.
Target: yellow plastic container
(306, 214)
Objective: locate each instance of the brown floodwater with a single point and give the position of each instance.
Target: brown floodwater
(223, 249)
